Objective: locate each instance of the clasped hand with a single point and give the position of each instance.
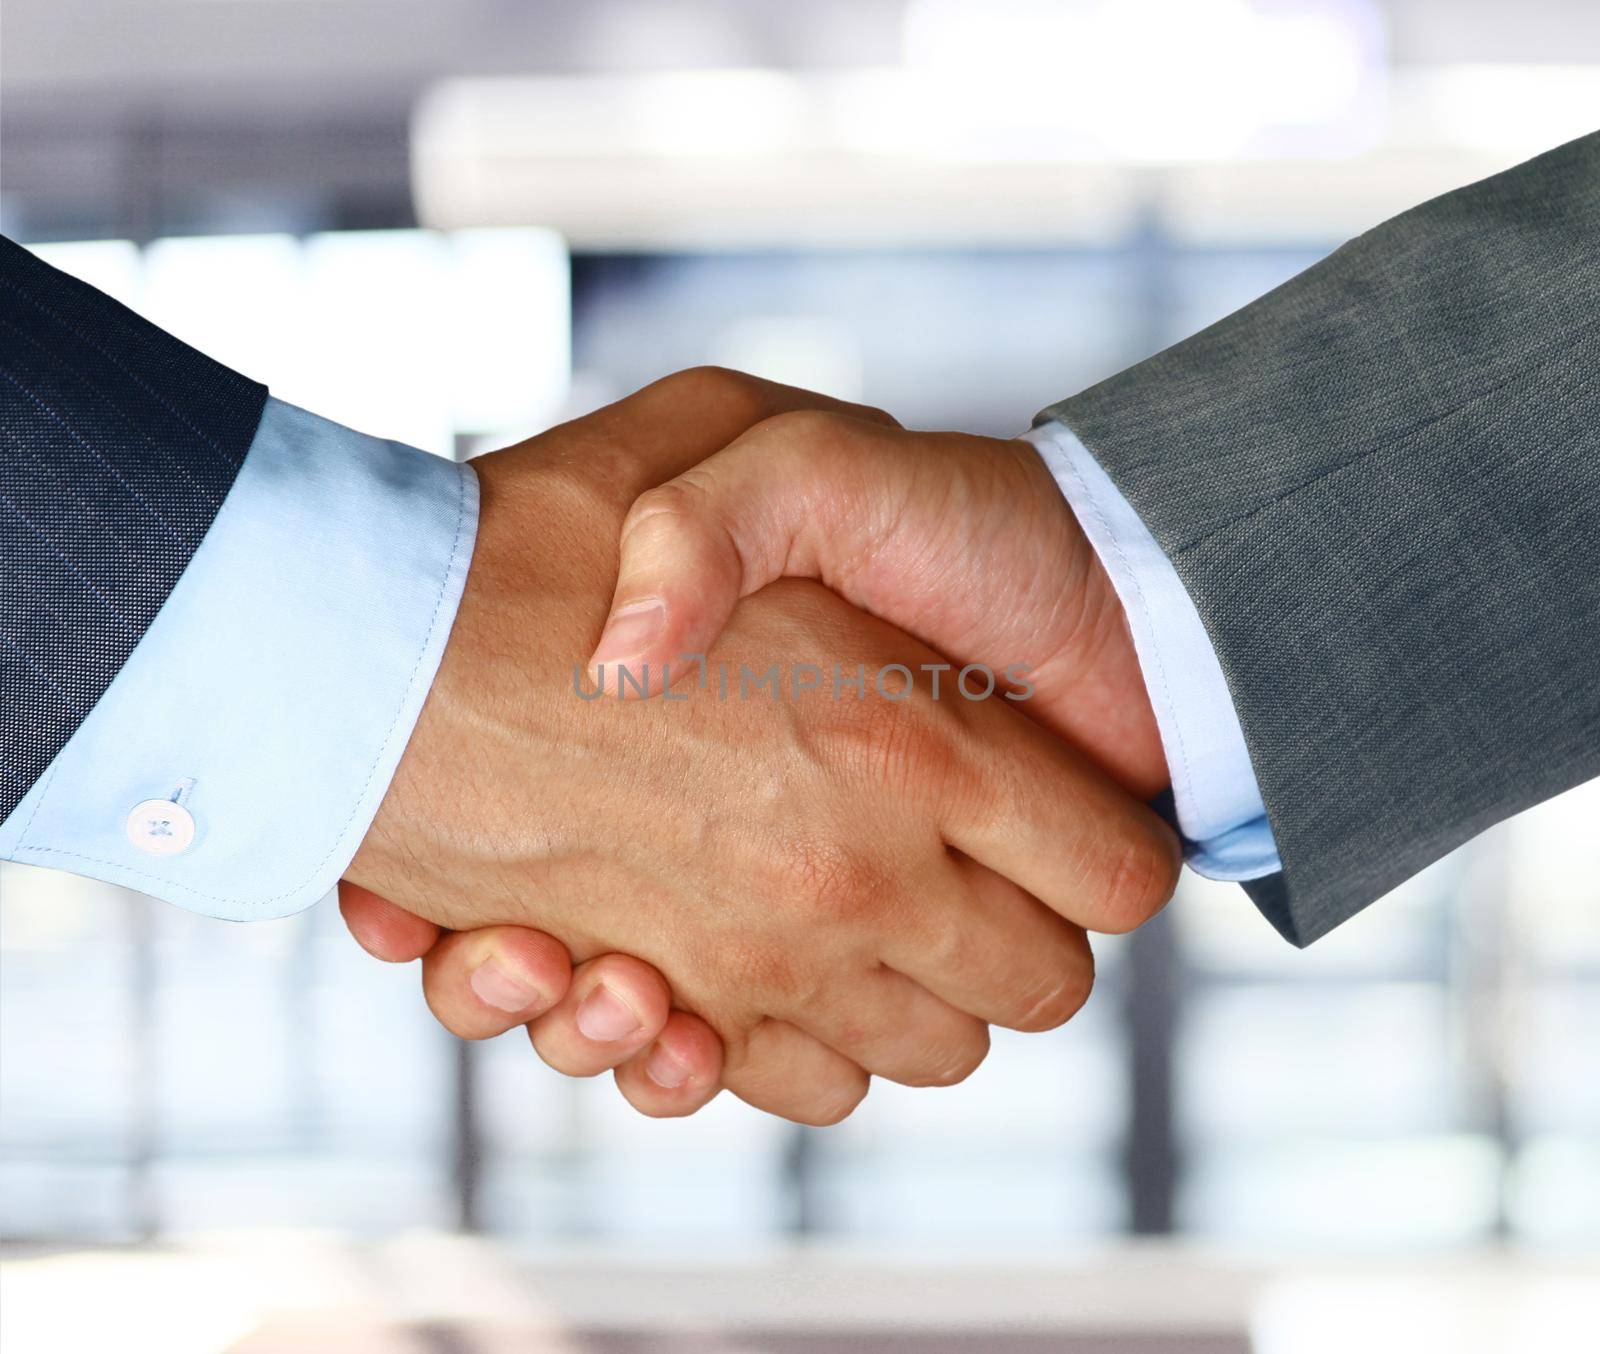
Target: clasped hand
(782, 892)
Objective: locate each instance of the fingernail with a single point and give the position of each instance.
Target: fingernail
(665, 1070)
(496, 986)
(604, 1017)
(629, 631)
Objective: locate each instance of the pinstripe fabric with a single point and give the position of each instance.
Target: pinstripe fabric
(117, 446)
(1380, 485)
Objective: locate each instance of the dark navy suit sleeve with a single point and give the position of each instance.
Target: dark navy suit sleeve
(118, 444)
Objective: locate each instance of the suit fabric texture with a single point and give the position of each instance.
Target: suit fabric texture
(118, 444)
(1380, 484)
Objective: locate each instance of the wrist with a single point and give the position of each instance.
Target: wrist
(1091, 682)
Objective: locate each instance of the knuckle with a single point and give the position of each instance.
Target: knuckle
(943, 947)
(723, 385)
(776, 972)
(834, 1104)
(684, 524)
(951, 1066)
(1061, 999)
(806, 430)
(918, 752)
(668, 506)
(831, 881)
(891, 744)
(1140, 881)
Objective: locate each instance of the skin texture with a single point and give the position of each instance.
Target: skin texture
(670, 1066)
(962, 541)
(831, 888)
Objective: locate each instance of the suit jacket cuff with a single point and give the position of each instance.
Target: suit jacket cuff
(274, 693)
(1214, 789)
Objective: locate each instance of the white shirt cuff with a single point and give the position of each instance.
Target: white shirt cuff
(272, 698)
(1214, 789)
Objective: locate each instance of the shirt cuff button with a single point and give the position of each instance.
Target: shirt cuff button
(160, 827)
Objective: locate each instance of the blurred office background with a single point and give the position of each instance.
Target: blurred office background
(457, 221)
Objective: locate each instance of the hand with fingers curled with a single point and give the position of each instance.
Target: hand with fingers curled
(826, 847)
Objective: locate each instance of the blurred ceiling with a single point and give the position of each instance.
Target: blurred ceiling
(231, 53)
(143, 116)
(234, 54)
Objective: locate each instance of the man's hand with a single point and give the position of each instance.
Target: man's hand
(964, 542)
(613, 1013)
(836, 886)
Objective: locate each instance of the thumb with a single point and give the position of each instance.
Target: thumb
(787, 499)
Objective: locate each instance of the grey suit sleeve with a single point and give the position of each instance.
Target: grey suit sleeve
(1380, 484)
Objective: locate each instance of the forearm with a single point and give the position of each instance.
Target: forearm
(222, 613)
(1380, 485)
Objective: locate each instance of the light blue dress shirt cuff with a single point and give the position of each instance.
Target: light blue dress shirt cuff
(274, 694)
(1214, 788)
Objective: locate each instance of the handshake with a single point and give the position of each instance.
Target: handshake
(790, 840)
(818, 745)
